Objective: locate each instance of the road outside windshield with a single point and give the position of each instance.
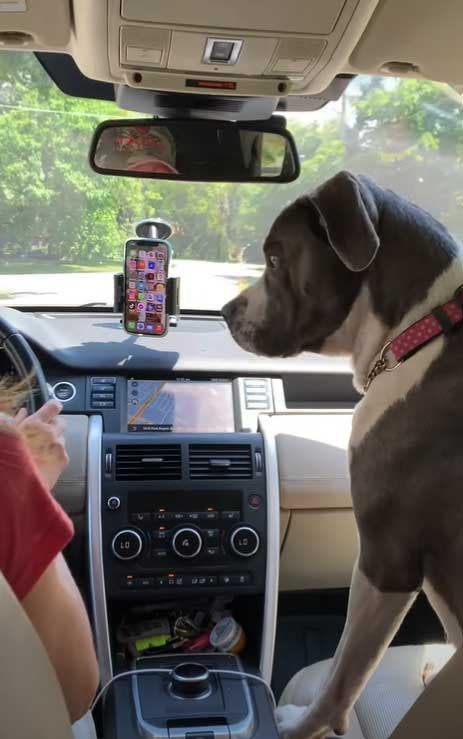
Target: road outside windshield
(63, 227)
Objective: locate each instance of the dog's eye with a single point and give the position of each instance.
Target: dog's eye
(274, 261)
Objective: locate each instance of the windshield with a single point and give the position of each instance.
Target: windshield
(63, 227)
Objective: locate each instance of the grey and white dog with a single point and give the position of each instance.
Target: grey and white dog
(348, 268)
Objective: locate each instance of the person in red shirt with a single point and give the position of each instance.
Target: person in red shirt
(34, 530)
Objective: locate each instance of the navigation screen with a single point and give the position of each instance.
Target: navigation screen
(181, 406)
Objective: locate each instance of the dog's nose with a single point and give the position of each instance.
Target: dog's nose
(229, 310)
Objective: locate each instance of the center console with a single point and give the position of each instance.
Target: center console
(183, 515)
(179, 519)
(208, 698)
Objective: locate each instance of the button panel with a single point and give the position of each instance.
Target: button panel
(206, 513)
(186, 580)
(103, 392)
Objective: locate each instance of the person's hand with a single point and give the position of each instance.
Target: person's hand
(43, 433)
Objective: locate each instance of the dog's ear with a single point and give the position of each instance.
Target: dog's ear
(348, 215)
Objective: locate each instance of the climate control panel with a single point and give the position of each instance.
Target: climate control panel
(188, 535)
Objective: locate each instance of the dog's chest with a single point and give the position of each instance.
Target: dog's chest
(388, 389)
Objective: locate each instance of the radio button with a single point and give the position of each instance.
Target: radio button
(230, 515)
(211, 534)
(140, 517)
(244, 579)
(209, 515)
(161, 535)
(162, 516)
(187, 543)
(159, 553)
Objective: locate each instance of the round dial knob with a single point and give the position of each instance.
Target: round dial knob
(244, 541)
(187, 543)
(127, 544)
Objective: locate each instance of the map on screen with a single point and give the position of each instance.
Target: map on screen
(181, 406)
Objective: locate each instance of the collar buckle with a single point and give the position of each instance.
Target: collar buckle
(381, 365)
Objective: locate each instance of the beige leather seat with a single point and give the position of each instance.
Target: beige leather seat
(396, 685)
(31, 701)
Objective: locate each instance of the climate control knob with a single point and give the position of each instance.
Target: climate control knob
(127, 544)
(244, 541)
(187, 543)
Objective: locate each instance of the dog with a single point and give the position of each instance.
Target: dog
(349, 269)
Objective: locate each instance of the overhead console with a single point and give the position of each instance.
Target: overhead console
(277, 51)
(234, 48)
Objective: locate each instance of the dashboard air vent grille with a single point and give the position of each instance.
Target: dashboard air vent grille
(148, 462)
(220, 461)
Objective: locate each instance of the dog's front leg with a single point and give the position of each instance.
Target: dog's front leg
(373, 618)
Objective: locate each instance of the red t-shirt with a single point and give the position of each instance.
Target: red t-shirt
(34, 529)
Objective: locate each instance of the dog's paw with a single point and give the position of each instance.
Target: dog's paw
(288, 720)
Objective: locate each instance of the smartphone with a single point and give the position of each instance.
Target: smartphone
(146, 267)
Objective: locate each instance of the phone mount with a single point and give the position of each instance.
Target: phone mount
(152, 228)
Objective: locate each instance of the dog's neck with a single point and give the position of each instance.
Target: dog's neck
(363, 334)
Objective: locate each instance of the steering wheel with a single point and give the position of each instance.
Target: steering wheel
(25, 363)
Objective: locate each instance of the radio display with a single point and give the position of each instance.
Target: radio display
(182, 406)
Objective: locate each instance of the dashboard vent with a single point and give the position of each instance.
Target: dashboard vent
(220, 461)
(148, 462)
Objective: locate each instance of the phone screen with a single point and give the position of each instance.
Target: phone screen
(146, 268)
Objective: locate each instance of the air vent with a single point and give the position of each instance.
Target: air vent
(148, 462)
(220, 461)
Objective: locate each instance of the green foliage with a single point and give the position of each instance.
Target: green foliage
(408, 135)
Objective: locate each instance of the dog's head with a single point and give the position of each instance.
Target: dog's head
(316, 255)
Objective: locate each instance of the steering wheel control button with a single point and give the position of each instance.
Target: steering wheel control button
(64, 391)
(244, 541)
(113, 503)
(127, 544)
(187, 543)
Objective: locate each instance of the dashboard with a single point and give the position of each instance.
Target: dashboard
(196, 378)
(197, 382)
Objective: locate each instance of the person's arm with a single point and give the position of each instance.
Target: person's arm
(33, 532)
(56, 609)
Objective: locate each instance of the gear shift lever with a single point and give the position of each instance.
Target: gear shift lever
(190, 680)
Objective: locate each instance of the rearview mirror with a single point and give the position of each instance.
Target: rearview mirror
(196, 150)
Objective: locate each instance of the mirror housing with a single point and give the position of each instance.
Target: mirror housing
(196, 150)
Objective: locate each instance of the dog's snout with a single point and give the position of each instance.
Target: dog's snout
(230, 310)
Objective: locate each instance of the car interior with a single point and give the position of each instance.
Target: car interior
(209, 487)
